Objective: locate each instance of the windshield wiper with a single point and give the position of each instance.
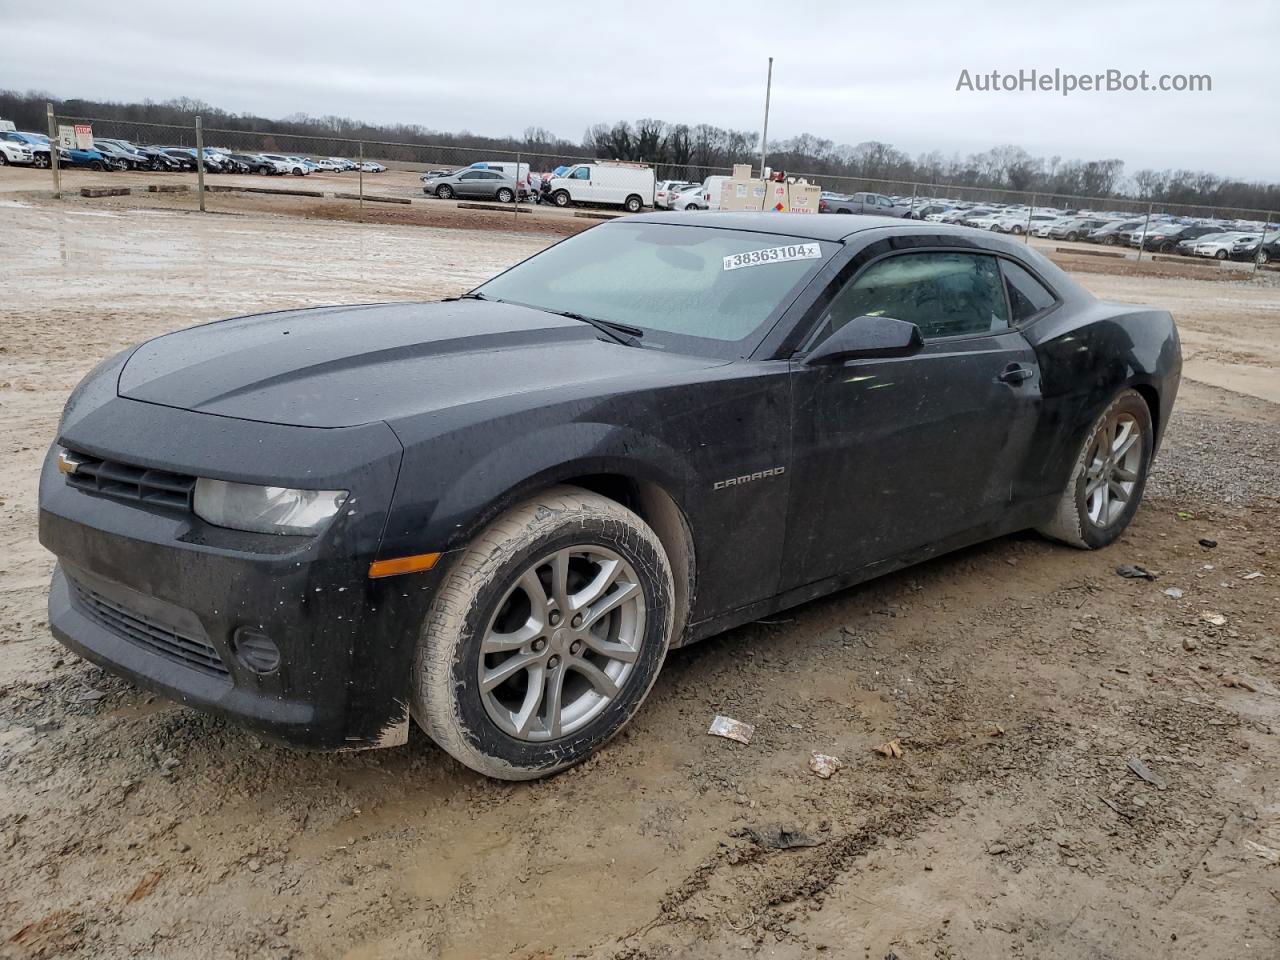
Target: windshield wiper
(471, 296)
(623, 333)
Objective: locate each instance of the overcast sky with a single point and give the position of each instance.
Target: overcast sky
(845, 71)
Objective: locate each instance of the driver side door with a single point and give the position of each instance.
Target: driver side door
(893, 455)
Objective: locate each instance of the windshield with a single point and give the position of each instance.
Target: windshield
(700, 290)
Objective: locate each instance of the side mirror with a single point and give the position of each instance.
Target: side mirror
(867, 337)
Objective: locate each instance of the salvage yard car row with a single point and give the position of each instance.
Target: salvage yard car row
(112, 153)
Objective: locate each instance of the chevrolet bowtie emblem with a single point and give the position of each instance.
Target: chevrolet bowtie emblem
(68, 463)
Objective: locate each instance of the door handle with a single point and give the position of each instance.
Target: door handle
(1016, 374)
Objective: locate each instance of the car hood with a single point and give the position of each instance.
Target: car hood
(344, 366)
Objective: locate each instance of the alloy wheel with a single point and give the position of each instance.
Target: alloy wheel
(562, 644)
(1114, 462)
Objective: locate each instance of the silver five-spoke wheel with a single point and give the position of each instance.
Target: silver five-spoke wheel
(562, 643)
(1112, 468)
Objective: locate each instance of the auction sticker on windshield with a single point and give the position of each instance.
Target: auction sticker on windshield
(754, 258)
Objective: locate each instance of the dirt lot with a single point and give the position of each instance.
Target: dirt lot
(1021, 678)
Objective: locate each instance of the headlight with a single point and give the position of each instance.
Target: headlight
(244, 506)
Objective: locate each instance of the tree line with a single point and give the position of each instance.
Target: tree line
(693, 151)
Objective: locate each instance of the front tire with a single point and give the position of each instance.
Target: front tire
(561, 198)
(444, 192)
(1108, 477)
(545, 637)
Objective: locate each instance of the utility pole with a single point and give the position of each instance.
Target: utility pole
(764, 137)
(200, 162)
(53, 153)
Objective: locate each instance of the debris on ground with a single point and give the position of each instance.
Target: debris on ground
(145, 886)
(1144, 772)
(1189, 644)
(892, 748)
(1134, 572)
(1173, 592)
(1252, 576)
(1229, 681)
(824, 765)
(1217, 619)
(732, 729)
(995, 730)
(998, 848)
(776, 836)
(1208, 543)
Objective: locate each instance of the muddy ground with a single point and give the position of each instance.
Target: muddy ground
(1020, 678)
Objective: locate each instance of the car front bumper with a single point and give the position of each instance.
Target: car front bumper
(174, 604)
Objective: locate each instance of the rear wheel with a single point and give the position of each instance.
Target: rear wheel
(1108, 477)
(1264, 256)
(634, 204)
(505, 195)
(545, 637)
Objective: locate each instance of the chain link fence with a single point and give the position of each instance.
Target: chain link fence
(380, 171)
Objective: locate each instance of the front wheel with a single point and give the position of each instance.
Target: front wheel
(1220, 255)
(1108, 478)
(545, 637)
(561, 198)
(444, 192)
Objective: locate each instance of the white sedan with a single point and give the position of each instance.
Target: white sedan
(690, 198)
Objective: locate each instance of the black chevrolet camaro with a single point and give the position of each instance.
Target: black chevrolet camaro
(495, 514)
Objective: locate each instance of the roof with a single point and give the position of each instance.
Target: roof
(811, 226)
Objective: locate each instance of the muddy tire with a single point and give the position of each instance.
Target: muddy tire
(1107, 478)
(546, 636)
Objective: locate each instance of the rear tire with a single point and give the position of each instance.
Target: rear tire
(506, 679)
(505, 195)
(634, 204)
(1108, 477)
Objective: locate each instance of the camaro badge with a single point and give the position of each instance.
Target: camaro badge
(748, 477)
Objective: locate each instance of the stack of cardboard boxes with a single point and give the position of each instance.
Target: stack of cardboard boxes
(742, 192)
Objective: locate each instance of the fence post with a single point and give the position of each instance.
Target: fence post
(1026, 234)
(1143, 242)
(200, 162)
(53, 153)
(911, 214)
(360, 170)
(1262, 242)
(515, 201)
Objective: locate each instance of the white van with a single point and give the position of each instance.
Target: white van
(605, 182)
(711, 188)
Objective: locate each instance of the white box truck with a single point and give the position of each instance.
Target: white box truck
(608, 183)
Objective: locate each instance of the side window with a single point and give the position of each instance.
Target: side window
(582, 173)
(1027, 295)
(944, 294)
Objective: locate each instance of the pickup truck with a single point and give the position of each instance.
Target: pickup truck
(876, 204)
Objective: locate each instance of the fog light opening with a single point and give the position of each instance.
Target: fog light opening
(256, 650)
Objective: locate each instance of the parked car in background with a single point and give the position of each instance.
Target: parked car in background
(926, 210)
(434, 174)
(121, 157)
(1219, 246)
(1166, 239)
(370, 166)
(38, 143)
(469, 184)
(90, 159)
(1109, 234)
(15, 150)
(291, 165)
(666, 191)
(689, 198)
(605, 183)
(863, 202)
(1263, 250)
(1075, 228)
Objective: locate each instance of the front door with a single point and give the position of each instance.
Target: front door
(892, 455)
